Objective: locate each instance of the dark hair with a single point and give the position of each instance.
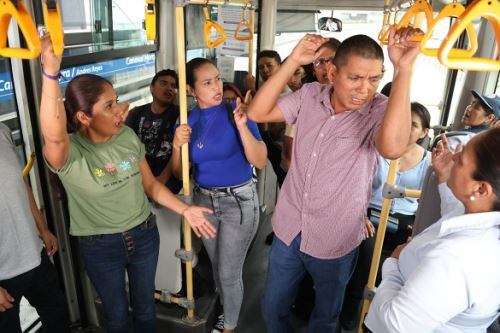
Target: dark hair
(81, 94)
(332, 43)
(192, 66)
(424, 115)
(233, 88)
(166, 72)
(488, 161)
(269, 54)
(360, 45)
(386, 90)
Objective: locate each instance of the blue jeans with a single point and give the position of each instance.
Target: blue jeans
(287, 267)
(41, 288)
(106, 259)
(236, 218)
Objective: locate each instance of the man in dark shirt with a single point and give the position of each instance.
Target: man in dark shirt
(154, 124)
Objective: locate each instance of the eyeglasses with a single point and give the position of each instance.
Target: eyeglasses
(322, 62)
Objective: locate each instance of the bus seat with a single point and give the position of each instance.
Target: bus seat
(454, 138)
(429, 207)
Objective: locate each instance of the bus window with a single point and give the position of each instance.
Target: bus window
(130, 76)
(93, 25)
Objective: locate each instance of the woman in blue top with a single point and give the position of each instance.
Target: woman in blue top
(224, 146)
(412, 167)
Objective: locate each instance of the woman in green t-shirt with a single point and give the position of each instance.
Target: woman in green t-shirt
(103, 169)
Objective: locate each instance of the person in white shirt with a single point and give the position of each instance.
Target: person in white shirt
(447, 279)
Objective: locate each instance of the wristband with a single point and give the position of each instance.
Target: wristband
(52, 77)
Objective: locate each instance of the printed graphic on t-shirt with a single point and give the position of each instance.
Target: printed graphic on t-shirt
(118, 170)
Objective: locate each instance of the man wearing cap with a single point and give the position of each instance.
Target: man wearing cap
(481, 113)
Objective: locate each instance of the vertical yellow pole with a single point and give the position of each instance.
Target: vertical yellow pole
(379, 241)
(250, 43)
(181, 66)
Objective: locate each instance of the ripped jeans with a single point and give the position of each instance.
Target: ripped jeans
(236, 219)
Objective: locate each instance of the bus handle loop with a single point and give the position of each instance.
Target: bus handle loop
(244, 24)
(453, 9)
(419, 6)
(150, 20)
(29, 165)
(479, 8)
(53, 23)
(207, 29)
(15, 9)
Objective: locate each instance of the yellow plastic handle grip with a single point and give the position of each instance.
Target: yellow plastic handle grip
(489, 9)
(29, 165)
(207, 29)
(150, 20)
(454, 9)
(19, 13)
(244, 24)
(53, 23)
(420, 6)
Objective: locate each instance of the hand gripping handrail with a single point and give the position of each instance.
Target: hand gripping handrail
(244, 24)
(150, 20)
(454, 9)
(209, 24)
(420, 6)
(489, 9)
(53, 23)
(15, 9)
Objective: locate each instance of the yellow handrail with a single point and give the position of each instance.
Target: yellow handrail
(150, 20)
(244, 24)
(53, 23)
(29, 165)
(18, 12)
(420, 6)
(489, 9)
(207, 29)
(454, 9)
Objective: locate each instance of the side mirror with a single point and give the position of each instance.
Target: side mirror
(331, 24)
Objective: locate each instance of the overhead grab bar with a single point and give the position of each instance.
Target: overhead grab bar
(53, 23)
(454, 9)
(15, 9)
(489, 9)
(150, 20)
(207, 29)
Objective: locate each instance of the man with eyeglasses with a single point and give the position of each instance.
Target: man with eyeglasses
(320, 213)
(325, 56)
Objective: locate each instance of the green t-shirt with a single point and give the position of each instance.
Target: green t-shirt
(104, 184)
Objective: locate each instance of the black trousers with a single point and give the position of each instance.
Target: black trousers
(41, 288)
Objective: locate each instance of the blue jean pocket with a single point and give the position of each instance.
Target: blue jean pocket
(89, 240)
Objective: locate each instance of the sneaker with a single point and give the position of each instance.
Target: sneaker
(219, 324)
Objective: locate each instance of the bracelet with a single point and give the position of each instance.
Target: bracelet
(52, 77)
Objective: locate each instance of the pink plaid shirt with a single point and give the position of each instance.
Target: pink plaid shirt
(327, 189)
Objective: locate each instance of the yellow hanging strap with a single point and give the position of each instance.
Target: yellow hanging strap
(53, 23)
(207, 29)
(489, 9)
(420, 6)
(29, 165)
(10, 9)
(244, 24)
(150, 20)
(383, 35)
(454, 9)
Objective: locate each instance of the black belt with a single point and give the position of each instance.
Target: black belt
(226, 190)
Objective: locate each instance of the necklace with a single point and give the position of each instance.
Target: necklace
(206, 128)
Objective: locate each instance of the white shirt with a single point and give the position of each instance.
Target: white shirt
(447, 279)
